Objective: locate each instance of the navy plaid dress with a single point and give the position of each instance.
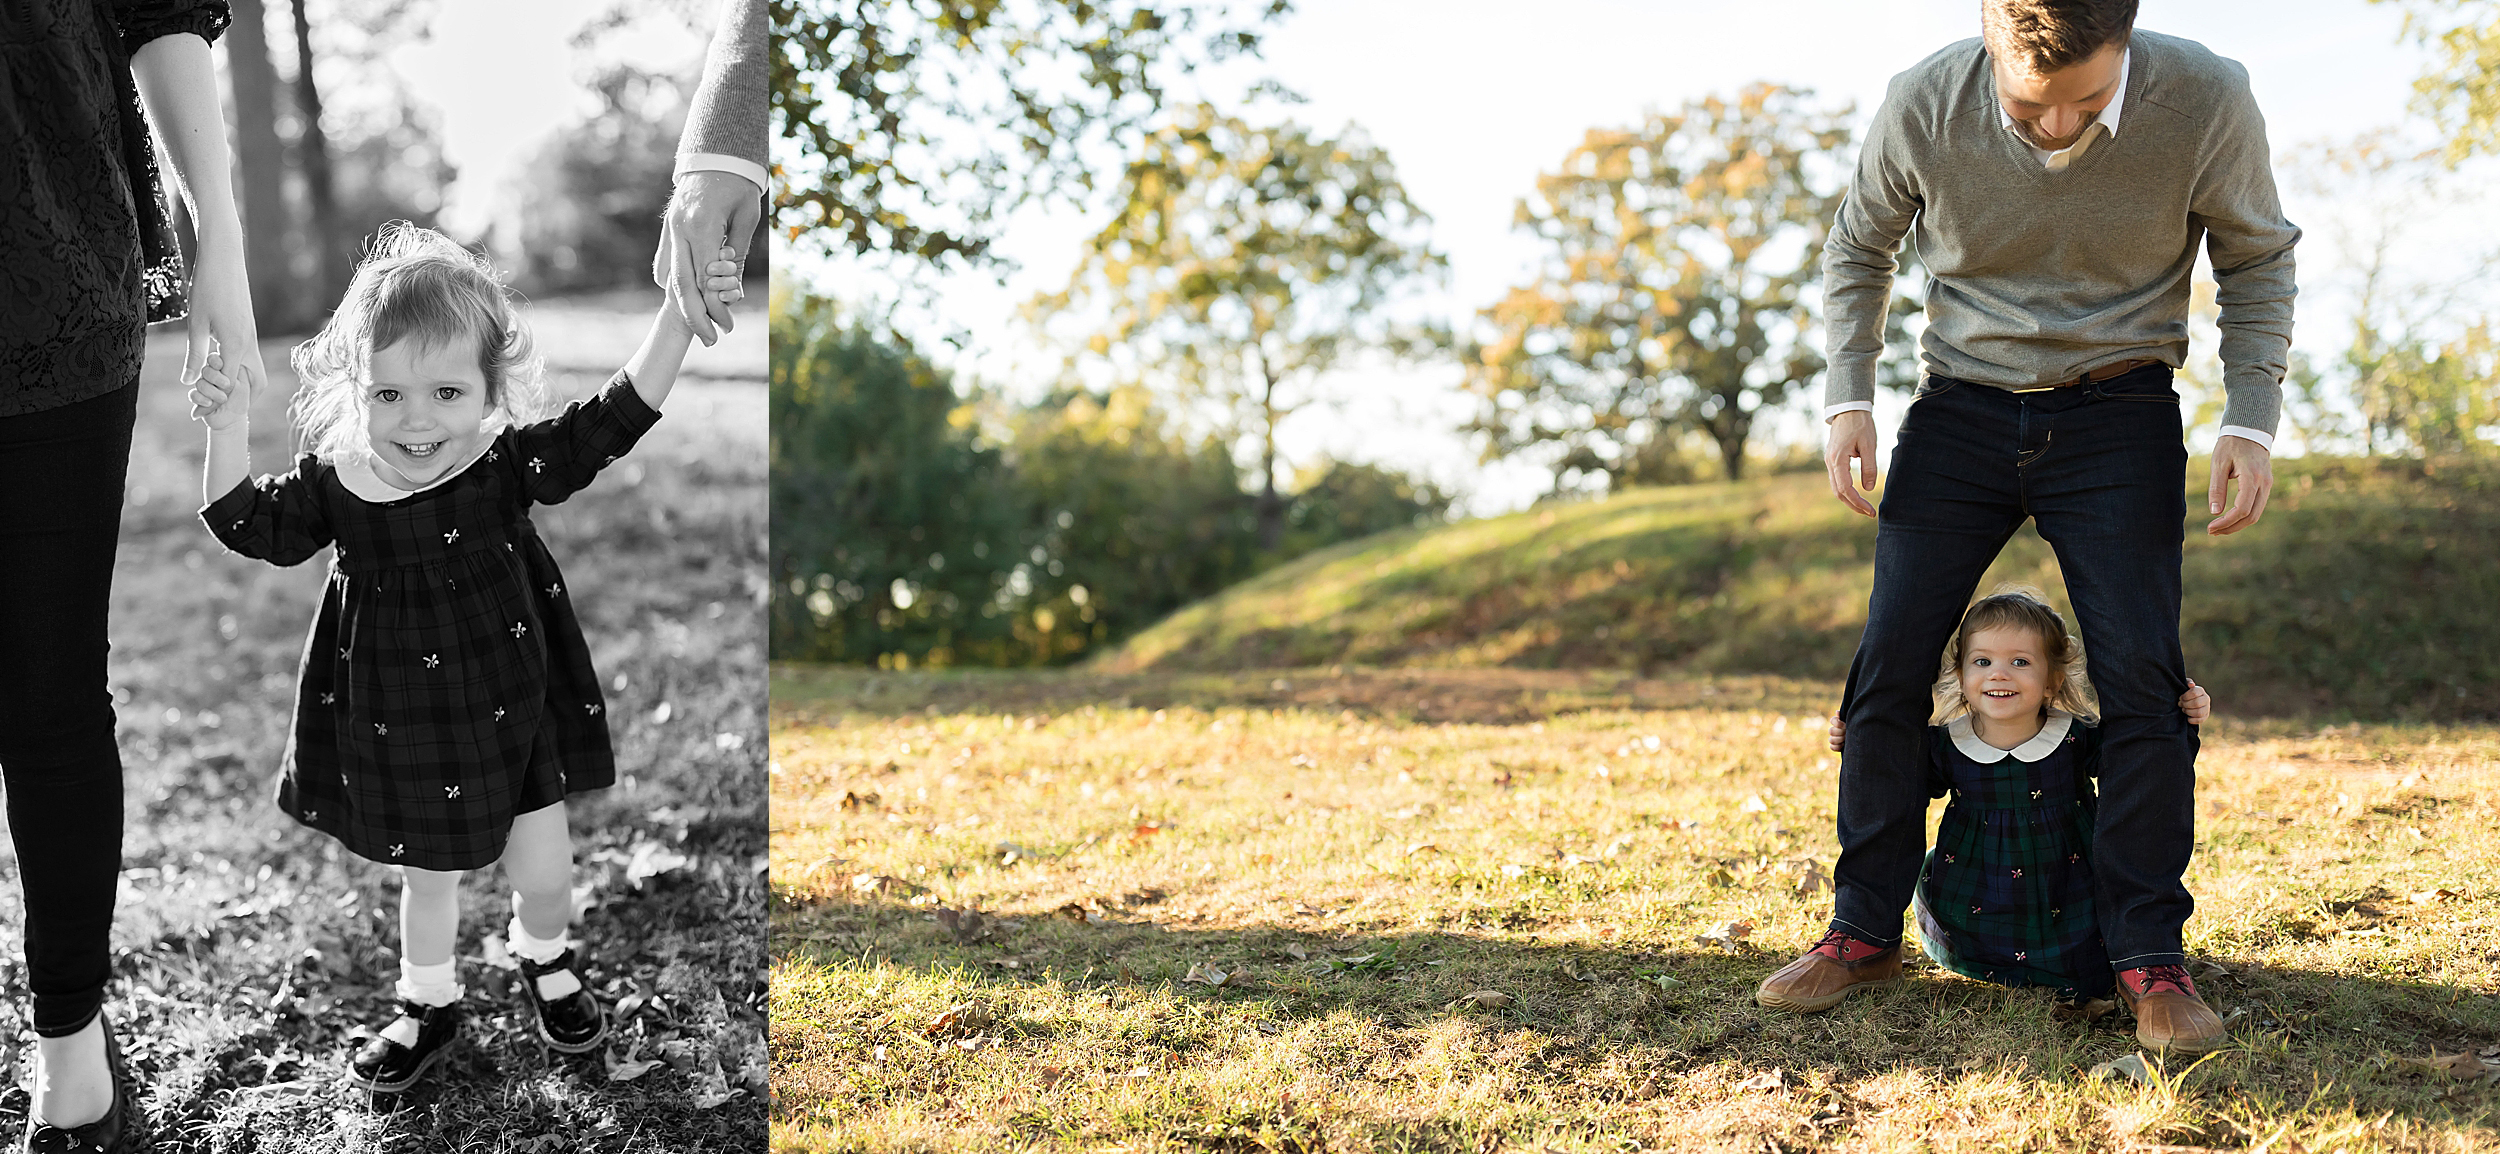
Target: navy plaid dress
(2006, 894)
(446, 686)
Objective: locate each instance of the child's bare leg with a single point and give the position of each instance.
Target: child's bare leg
(539, 860)
(429, 920)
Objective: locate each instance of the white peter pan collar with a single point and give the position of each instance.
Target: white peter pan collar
(2052, 733)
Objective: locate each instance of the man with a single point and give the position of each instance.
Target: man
(2057, 174)
(720, 168)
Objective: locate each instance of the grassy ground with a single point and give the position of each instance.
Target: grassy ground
(2370, 569)
(248, 948)
(1474, 911)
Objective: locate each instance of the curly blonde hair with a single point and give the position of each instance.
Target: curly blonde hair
(413, 284)
(2020, 607)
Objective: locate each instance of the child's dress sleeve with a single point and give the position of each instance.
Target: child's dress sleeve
(280, 519)
(550, 460)
(1939, 778)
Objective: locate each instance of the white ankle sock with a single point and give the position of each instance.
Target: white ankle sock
(541, 951)
(434, 985)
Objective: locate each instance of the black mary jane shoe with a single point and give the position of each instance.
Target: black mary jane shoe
(574, 1023)
(387, 1066)
(104, 1135)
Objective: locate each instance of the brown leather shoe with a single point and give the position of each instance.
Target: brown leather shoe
(1819, 980)
(2168, 1014)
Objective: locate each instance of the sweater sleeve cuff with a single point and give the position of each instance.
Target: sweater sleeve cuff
(1831, 411)
(720, 162)
(2264, 440)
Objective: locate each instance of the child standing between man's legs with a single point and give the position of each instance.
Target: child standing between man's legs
(447, 703)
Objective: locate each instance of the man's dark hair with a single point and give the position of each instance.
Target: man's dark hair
(2043, 36)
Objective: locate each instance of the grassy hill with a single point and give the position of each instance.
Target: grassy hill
(2370, 589)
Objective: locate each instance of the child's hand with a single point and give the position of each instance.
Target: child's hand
(720, 278)
(1837, 727)
(2196, 703)
(217, 399)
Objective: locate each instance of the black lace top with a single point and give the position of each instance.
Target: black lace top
(87, 254)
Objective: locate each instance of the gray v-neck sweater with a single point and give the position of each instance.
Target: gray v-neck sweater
(2035, 276)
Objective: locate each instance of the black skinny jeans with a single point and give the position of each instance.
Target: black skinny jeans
(61, 474)
(2102, 469)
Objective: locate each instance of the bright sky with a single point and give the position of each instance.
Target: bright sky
(503, 77)
(1473, 100)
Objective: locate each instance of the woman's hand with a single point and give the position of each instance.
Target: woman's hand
(222, 321)
(1837, 729)
(2196, 703)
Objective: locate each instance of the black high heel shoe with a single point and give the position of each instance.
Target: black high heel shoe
(102, 1136)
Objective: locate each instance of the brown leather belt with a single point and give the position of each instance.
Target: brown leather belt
(2103, 373)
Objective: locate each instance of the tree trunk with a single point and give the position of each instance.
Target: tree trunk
(332, 257)
(1271, 504)
(1730, 431)
(260, 167)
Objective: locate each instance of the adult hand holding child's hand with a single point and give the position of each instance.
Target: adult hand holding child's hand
(214, 393)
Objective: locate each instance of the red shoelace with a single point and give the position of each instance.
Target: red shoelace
(2175, 977)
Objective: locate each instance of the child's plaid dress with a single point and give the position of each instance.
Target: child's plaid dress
(2006, 894)
(446, 686)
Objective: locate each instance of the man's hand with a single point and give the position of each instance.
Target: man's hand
(1853, 436)
(2248, 462)
(1838, 735)
(709, 211)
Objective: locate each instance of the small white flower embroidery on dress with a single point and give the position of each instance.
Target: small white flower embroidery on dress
(611, 458)
(2022, 955)
(381, 730)
(555, 591)
(499, 713)
(398, 849)
(342, 653)
(537, 466)
(433, 660)
(2074, 857)
(591, 708)
(451, 791)
(492, 455)
(329, 699)
(1948, 859)
(2018, 873)
(1974, 909)
(238, 526)
(450, 537)
(2035, 795)
(312, 815)
(519, 628)
(2056, 910)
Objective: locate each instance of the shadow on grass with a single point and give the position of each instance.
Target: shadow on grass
(814, 694)
(1588, 1020)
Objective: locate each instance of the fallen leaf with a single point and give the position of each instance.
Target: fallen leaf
(966, 925)
(2460, 1066)
(1664, 982)
(2426, 897)
(1052, 1076)
(1767, 1080)
(1718, 876)
(1295, 951)
(628, 1069)
(1146, 829)
(2131, 1067)
(1483, 1000)
(1072, 911)
(881, 883)
(854, 801)
(1211, 976)
(1754, 804)
(964, 1018)
(1729, 935)
(1422, 847)
(1571, 969)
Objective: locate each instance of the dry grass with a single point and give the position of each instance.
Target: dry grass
(1366, 849)
(248, 948)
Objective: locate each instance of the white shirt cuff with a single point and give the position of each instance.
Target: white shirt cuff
(1831, 411)
(2264, 440)
(720, 162)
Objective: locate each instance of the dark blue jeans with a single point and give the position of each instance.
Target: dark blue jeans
(2102, 469)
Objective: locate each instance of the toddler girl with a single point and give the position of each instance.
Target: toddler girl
(2006, 893)
(446, 705)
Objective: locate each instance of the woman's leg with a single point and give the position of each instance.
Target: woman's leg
(61, 474)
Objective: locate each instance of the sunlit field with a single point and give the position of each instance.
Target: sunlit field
(1498, 910)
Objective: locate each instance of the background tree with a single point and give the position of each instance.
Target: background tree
(2461, 92)
(1675, 289)
(915, 123)
(1245, 262)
